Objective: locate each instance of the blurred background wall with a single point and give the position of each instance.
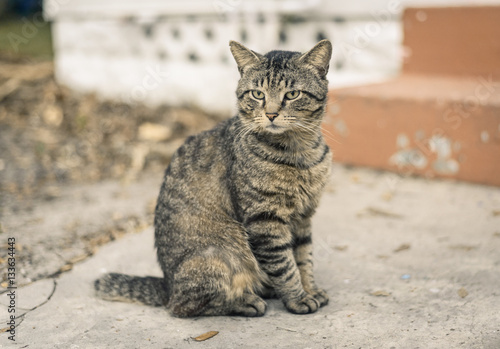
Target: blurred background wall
(176, 52)
(142, 75)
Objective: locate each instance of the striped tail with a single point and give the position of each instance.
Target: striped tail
(120, 287)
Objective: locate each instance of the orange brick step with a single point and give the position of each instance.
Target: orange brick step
(444, 127)
(440, 118)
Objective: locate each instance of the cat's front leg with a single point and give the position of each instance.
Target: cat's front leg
(303, 254)
(272, 244)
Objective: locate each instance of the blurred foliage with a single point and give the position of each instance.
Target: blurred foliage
(24, 34)
(20, 7)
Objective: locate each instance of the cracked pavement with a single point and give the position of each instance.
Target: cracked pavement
(52, 235)
(407, 262)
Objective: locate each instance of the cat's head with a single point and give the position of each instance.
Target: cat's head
(282, 91)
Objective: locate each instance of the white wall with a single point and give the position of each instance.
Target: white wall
(153, 8)
(176, 51)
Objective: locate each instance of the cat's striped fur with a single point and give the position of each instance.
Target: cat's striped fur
(233, 217)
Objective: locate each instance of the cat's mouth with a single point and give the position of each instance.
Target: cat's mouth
(273, 128)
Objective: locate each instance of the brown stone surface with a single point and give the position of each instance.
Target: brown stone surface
(432, 126)
(457, 41)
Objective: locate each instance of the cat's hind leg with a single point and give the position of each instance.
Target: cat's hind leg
(211, 286)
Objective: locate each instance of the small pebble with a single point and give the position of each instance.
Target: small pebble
(405, 277)
(462, 292)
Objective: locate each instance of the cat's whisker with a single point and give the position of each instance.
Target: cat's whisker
(307, 128)
(243, 131)
(311, 132)
(328, 134)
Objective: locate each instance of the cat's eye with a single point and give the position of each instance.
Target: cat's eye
(258, 94)
(292, 94)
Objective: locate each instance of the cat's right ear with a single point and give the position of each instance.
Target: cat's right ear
(243, 56)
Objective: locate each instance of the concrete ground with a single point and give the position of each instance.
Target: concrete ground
(408, 263)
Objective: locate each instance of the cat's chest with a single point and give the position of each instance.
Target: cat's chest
(285, 189)
(298, 186)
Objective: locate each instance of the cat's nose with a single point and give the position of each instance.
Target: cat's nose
(272, 116)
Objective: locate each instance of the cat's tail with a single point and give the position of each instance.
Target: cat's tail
(119, 287)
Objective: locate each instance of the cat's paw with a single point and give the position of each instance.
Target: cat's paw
(320, 295)
(251, 306)
(305, 305)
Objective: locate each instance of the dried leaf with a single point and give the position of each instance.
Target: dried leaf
(380, 293)
(402, 247)
(5, 329)
(205, 336)
(79, 258)
(462, 292)
(285, 329)
(495, 213)
(66, 267)
(382, 213)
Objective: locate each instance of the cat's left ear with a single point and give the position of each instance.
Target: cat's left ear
(243, 56)
(318, 57)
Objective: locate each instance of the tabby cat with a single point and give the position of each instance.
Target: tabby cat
(233, 217)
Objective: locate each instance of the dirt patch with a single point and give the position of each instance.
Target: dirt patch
(49, 134)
